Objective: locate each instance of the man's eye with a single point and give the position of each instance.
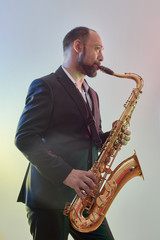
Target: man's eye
(98, 48)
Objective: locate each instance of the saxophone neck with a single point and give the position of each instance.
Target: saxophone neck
(138, 79)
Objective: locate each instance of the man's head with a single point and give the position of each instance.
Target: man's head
(81, 33)
(84, 48)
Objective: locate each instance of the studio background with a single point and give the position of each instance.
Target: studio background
(31, 34)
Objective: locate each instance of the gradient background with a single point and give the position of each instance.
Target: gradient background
(31, 34)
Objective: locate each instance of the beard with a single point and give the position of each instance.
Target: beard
(86, 69)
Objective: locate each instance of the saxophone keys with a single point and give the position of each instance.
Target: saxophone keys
(101, 201)
(110, 186)
(94, 216)
(108, 170)
(102, 169)
(111, 152)
(98, 176)
(102, 214)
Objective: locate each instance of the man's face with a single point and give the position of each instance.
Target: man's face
(91, 56)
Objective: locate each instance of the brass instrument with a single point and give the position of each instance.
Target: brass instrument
(86, 215)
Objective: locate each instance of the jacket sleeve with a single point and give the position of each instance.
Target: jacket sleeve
(31, 129)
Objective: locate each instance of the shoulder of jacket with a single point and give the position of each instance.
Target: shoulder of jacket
(49, 80)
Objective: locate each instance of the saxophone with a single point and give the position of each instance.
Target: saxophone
(86, 215)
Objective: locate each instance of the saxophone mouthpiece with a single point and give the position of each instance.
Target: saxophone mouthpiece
(106, 70)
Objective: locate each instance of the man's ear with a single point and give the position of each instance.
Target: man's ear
(78, 46)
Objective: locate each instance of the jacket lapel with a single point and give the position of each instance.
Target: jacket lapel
(95, 110)
(74, 94)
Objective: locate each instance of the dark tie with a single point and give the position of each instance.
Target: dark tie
(91, 123)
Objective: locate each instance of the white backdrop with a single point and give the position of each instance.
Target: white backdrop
(31, 34)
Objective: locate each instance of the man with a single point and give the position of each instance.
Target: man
(59, 132)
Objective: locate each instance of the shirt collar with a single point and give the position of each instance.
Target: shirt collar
(85, 84)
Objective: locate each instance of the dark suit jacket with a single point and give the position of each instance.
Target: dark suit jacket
(54, 135)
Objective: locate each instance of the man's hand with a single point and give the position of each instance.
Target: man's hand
(126, 137)
(81, 181)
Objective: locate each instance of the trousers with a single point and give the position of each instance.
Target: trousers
(53, 225)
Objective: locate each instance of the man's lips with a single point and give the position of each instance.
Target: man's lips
(96, 66)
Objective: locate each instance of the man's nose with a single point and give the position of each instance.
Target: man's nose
(100, 57)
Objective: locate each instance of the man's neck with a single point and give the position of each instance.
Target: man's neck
(78, 77)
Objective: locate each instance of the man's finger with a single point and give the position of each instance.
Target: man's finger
(127, 132)
(126, 137)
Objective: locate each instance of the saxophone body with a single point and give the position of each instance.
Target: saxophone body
(87, 215)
